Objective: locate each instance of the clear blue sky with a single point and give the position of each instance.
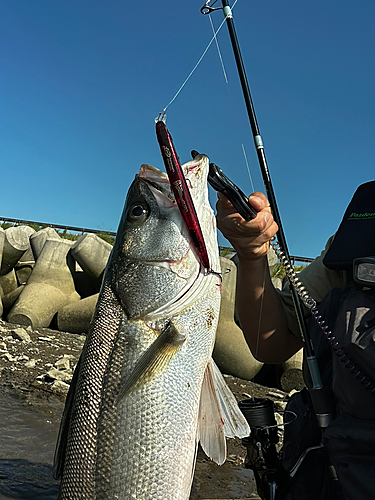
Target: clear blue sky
(81, 83)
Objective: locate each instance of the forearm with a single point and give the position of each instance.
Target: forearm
(259, 307)
(261, 314)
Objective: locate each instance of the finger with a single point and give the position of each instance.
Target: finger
(224, 200)
(224, 206)
(262, 225)
(259, 201)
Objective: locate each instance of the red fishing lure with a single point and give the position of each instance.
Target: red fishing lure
(181, 192)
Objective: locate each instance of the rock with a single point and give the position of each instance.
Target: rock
(280, 406)
(20, 334)
(31, 363)
(278, 418)
(61, 375)
(63, 363)
(8, 357)
(60, 387)
(23, 357)
(275, 394)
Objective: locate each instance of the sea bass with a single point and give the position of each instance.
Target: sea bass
(146, 389)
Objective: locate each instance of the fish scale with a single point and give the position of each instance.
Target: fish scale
(170, 444)
(136, 409)
(79, 468)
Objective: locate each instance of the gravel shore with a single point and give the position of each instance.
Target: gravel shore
(41, 363)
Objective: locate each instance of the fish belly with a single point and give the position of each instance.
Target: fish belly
(147, 440)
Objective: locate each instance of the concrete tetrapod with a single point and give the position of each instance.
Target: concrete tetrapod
(38, 239)
(2, 239)
(10, 298)
(76, 317)
(8, 282)
(92, 253)
(231, 351)
(83, 283)
(16, 243)
(271, 257)
(23, 271)
(290, 373)
(49, 287)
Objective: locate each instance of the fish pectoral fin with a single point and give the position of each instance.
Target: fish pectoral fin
(154, 360)
(219, 415)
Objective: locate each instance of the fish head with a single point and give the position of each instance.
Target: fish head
(153, 262)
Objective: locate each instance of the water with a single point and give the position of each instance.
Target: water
(28, 432)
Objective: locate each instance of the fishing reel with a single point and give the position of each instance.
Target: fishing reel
(262, 457)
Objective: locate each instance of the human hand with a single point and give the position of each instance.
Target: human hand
(250, 239)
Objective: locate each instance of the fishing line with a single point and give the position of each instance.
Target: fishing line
(195, 67)
(218, 50)
(230, 95)
(162, 115)
(261, 311)
(248, 169)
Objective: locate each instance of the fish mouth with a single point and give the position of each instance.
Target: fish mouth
(154, 177)
(159, 185)
(195, 172)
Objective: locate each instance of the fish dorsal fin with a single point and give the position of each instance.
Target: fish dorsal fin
(219, 415)
(154, 360)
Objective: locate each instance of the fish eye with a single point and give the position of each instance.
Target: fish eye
(137, 213)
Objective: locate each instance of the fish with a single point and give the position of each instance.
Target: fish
(146, 390)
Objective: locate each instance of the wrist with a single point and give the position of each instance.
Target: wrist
(251, 256)
(252, 263)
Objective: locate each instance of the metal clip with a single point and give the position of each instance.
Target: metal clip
(162, 117)
(206, 9)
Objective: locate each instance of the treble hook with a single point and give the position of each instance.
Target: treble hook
(206, 9)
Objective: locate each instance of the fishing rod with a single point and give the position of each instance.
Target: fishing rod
(319, 394)
(321, 398)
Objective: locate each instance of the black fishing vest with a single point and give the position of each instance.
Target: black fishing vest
(350, 315)
(349, 439)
